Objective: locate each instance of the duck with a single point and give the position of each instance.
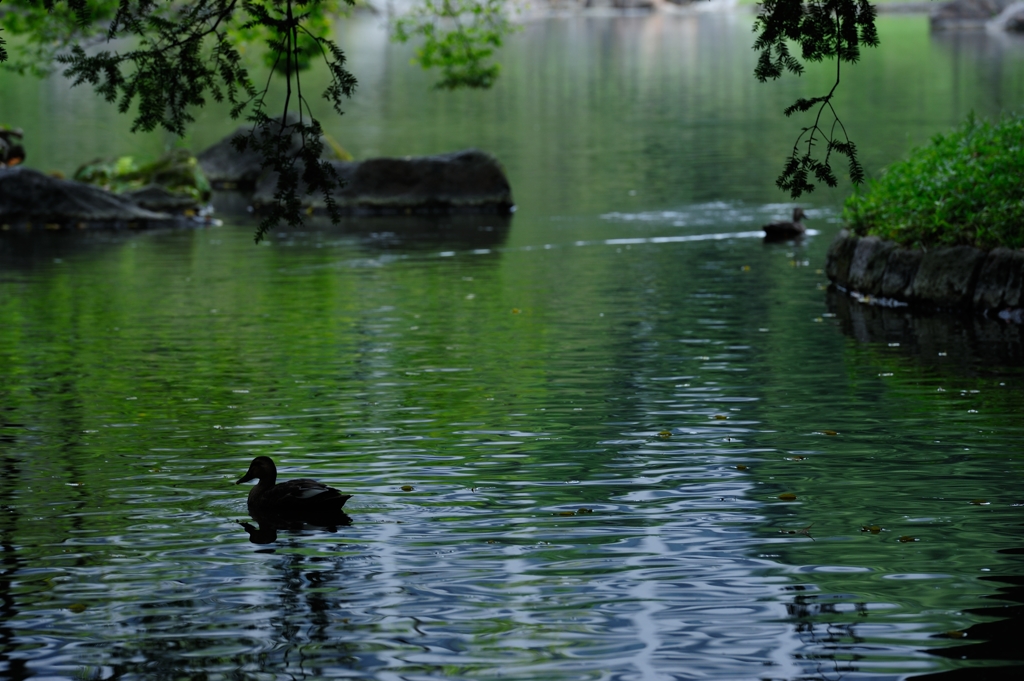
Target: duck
(302, 500)
(783, 230)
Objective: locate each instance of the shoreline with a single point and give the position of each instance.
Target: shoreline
(530, 11)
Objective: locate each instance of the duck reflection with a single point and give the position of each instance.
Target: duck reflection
(265, 530)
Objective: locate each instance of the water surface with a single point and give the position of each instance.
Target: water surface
(613, 437)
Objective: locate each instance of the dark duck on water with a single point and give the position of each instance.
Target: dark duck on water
(301, 500)
(783, 230)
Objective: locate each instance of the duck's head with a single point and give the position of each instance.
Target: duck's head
(262, 468)
(798, 215)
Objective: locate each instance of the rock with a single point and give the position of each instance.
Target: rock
(868, 265)
(1011, 19)
(1015, 22)
(469, 181)
(1014, 292)
(946, 276)
(999, 284)
(991, 286)
(29, 196)
(227, 168)
(840, 255)
(966, 13)
(900, 270)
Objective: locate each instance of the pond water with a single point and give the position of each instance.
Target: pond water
(612, 437)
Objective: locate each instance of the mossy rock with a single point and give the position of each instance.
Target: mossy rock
(177, 172)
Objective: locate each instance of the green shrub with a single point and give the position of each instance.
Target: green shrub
(965, 188)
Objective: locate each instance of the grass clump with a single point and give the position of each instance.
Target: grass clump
(965, 188)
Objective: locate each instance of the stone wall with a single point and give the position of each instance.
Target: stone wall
(955, 277)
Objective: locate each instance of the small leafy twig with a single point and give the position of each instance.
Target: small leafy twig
(293, 151)
(824, 29)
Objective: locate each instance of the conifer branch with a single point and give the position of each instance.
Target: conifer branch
(824, 29)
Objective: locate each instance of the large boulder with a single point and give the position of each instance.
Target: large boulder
(28, 196)
(227, 168)
(468, 181)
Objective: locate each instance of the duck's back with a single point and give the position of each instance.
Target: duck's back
(305, 493)
(783, 230)
(299, 500)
